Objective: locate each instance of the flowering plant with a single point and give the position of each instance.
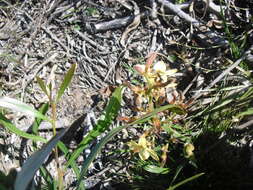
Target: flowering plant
(158, 80)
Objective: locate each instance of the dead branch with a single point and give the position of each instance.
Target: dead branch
(109, 25)
(209, 35)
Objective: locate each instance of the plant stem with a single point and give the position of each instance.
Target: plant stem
(59, 171)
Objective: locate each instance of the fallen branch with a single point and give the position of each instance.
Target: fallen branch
(109, 25)
(209, 35)
(216, 9)
(177, 10)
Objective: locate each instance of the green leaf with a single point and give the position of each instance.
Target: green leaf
(247, 94)
(171, 107)
(115, 99)
(95, 151)
(73, 164)
(19, 106)
(34, 162)
(43, 110)
(6, 123)
(249, 111)
(178, 170)
(171, 131)
(111, 112)
(156, 169)
(172, 58)
(66, 81)
(50, 182)
(47, 177)
(221, 104)
(42, 85)
(185, 181)
(113, 132)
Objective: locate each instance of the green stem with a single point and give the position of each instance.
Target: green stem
(59, 171)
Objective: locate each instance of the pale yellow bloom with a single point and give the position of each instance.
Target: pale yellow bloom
(188, 150)
(159, 70)
(143, 148)
(159, 67)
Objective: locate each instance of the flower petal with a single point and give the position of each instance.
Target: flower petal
(159, 67)
(134, 146)
(170, 72)
(144, 154)
(153, 154)
(142, 141)
(171, 85)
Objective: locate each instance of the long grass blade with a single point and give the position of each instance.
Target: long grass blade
(43, 110)
(73, 165)
(249, 111)
(19, 106)
(185, 181)
(51, 185)
(156, 169)
(95, 151)
(35, 161)
(6, 123)
(173, 108)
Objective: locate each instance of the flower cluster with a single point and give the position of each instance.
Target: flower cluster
(152, 94)
(157, 80)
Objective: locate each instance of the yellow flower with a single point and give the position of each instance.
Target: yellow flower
(143, 148)
(160, 70)
(188, 150)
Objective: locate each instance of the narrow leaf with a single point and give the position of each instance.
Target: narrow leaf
(6, 123)
(43, 170)
(95, 151)
(249, 111)
(178, 170)
(34, 162)
(171, 107)
(66, 81)
(47, 177)
(43, 110)
(42, 85)
(156, 169)
(73, 164)
(185, 181)
(19, 106)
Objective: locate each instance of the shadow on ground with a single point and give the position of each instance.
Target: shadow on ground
(226, 161)
(226, 165)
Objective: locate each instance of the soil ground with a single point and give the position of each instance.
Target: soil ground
(106, 38)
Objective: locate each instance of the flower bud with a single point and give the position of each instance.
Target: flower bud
(188, 150)
(140, 69)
